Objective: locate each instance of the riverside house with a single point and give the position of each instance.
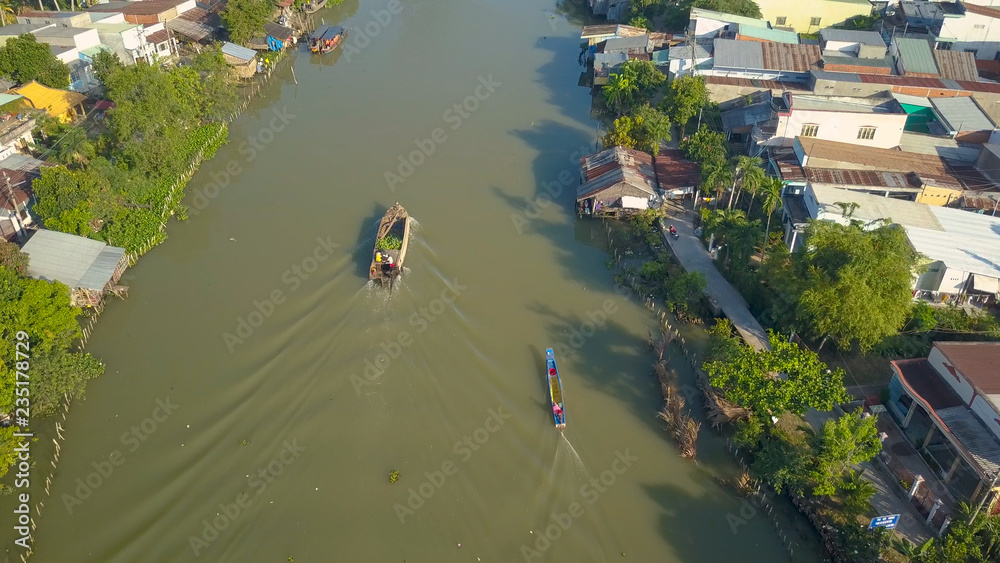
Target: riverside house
(616, 182)
(89, 267)
(948, 408)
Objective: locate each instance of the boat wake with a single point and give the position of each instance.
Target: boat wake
(573, 458)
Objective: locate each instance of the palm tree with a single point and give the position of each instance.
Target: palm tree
(770, 191)
(717, 179)
(6, 9)
(749, 173)
(618, 91)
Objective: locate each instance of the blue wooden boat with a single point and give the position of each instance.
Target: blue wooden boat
(555, 389)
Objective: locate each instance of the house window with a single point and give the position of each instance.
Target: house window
(814, 21)
(973, 51)
(809, 130)
(979, 26)
(780, 21)
(944, 46)
(996, 57)
(866, 133)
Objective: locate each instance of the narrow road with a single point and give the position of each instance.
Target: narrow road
(693, 255)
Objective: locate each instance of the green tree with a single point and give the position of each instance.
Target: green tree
(746, 8)
(245, 19)
(783, 464)
(844, 442)
(73, 201)
(723, 344)
(784, 378)
(857, 493)
(644, 130)
(749, 176)
(770, 194)
(686, 96)
(706, 147)
(619, 93)
(640, 21)
(60, 372)
(12, 258)
(24, 59)
(684, 288)
(847, 284)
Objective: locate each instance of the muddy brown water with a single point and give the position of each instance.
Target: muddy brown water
(259, 392)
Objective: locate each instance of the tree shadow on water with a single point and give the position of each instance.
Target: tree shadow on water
(605, 358)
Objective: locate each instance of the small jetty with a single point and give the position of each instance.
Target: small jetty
(391, 241)
(313, 6)
(326, 38)
(555, 389)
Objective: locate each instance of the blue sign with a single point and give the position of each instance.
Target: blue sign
(888, 522)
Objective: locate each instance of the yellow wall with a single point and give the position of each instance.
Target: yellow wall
(933, 195)
(798, 13)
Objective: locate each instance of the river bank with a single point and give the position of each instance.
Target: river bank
(290, 381)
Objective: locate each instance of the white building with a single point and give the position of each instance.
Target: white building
(707, 24)
(977, 31)
(872, 122)
(963, 248)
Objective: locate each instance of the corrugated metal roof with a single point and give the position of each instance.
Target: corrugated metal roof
(730, 53)
(639, 42)
(964, 241)
(919, 101)
(70, 259)
(838, 58)
(974, 437)
(614, 166)
(872, 178)
(851, 36)
(961, 114)
(982, 10)
(836, 76)
(944, 147)
(917, 55)
(742, 117)
(797, 58)
(874, 207)
(956, 65)
(610, 58)
(619, 30)
(674, 172)
(872, 158)
(778, 35)
(279, 32)
(914, 81)
(242, 53)
(684, 52)
(8, 98)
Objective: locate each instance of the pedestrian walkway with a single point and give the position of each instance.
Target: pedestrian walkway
(694, 257)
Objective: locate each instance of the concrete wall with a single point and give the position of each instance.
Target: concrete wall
(930, 280)
(798, 14)
(973, 32)
(842, 127)
(989, 164)
(707, 28)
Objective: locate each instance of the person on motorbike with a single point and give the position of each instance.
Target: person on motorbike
(673, 231)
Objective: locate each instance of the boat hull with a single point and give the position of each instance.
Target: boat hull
(387, 264)
(313, 7)
(555, 389)
(326, 38)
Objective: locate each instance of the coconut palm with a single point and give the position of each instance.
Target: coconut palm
(749, 174)
(618, 92)
(7, 12)
(770, 192)
(717, 178)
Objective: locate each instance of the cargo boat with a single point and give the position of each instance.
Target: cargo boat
(391, 240)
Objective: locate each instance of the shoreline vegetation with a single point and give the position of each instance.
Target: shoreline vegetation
(117, 180)
(757, 399)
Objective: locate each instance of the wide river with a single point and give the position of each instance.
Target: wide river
(259, 392)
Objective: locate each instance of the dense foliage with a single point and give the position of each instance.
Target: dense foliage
(115, 188)
(42, 310)
(245, 19)
(24, 59)
(848, 284)
(785, 378)
(644, 130)
(634, 85)
(686, 96)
